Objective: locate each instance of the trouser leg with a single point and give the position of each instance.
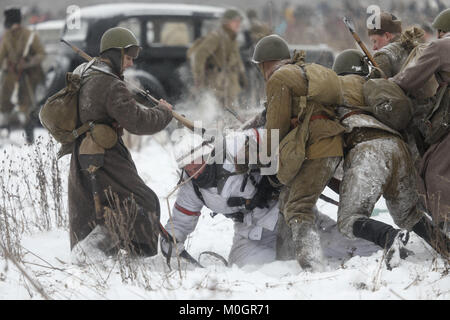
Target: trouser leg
(299, 199)
(6, 106)
(26, 98)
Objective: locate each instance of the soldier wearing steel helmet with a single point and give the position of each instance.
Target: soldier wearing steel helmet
(286, 84)
(376, 163)
(101, 156)
(435, 168)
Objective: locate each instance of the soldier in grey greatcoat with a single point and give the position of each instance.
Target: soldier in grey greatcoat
(126, 211)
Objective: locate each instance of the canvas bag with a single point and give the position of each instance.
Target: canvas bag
(323, 87)
(292, 149)
(59, 116)
(387, 102)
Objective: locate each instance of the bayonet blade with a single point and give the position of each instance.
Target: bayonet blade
(349, 24)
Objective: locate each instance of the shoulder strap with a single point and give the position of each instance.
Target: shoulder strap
(105, 72)
(198, 193)
(438, 102)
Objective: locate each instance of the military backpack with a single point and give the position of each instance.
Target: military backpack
(59, 116)
(388, 103)
(323, 87)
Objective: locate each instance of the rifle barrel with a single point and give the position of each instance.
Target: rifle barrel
(187, 123)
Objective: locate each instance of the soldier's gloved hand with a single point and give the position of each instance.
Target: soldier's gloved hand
(166, 247)
(164, 103)
(237, 201)
(377, 73)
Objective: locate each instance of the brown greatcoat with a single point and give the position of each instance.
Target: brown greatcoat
(105, 99)
(435, 169)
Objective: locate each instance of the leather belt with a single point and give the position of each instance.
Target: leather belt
(352, 113)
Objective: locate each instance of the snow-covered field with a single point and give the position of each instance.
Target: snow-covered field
(43, 247)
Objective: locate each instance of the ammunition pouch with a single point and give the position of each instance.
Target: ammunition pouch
(104, 135)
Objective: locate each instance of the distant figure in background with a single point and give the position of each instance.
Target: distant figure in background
(175, 34)
(21, 55)
(258, 29)
(216, 62)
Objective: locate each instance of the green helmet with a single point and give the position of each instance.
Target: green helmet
(118, 38)
(231, 14)
(442, 21)
(350, 61)
(271, 47)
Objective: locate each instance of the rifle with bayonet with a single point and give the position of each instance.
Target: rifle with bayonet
(187, 123)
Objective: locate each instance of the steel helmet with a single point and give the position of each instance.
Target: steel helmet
(350, 61)
(231, 14)
(272, 47)
(442, 21)
(119, 38)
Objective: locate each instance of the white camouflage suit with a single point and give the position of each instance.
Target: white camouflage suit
(254, 240)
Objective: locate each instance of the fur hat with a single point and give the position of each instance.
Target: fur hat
(12, 16)
(389, 23)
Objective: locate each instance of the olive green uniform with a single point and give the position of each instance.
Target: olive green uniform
(217, 65)
(323, 147)
(11, 51)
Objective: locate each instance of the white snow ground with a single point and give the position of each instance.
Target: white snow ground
(46, 256)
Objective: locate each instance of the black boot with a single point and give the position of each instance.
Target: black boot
(29, 132)
(387, 237)
(433, 235)
(375, 231)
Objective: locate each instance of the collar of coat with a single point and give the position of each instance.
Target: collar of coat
(229, 32)
(298, 58)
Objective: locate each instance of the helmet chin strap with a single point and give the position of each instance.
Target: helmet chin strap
(122, 58)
